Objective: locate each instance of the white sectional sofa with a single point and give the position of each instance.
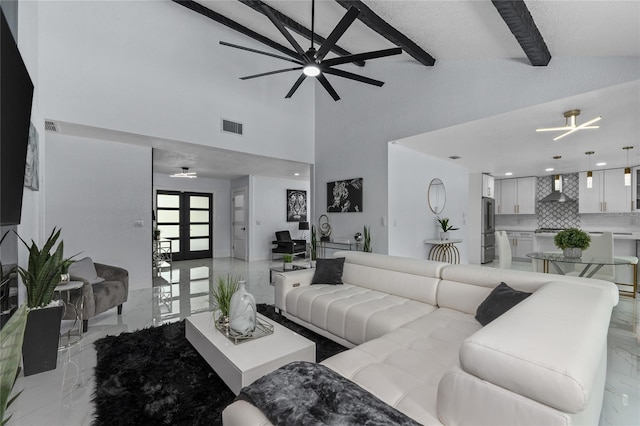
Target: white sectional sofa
(417, 346)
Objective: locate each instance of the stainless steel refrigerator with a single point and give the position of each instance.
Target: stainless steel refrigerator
(488, 241)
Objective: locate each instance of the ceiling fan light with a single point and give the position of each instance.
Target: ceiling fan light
(311, 71)
(589, 179)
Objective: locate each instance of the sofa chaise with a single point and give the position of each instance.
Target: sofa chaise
(417, 346)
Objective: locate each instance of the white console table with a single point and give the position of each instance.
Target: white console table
(444, 250)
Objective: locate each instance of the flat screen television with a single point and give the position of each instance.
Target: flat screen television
(16, 95)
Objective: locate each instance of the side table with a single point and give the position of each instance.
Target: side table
(444, 250)
(68, 338)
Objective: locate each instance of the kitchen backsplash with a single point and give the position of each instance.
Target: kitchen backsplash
(558, 215)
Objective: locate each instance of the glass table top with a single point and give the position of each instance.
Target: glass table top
(559, 257)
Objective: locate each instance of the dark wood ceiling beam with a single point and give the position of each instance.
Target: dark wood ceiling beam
(198, 8)
(517, 17)
(296, 27)
(379, 25)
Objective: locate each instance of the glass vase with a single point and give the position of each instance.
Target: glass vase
(242, 310)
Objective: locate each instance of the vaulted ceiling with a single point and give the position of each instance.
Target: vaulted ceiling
(429, 31)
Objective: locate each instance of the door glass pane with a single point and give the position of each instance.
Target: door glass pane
(170, 216)
(176, 246)
(199, 244)
(167, 200)
(238, 216)
(199, 230)
(199, 215)
(238, 200)
(169, 231)
(196, 202)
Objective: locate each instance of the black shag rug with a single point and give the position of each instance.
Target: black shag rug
(155, 377)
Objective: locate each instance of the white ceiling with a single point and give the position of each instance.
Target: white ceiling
(453, 29)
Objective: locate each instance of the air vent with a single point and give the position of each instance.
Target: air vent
(50, 126)
(455, 157)
(231, 127)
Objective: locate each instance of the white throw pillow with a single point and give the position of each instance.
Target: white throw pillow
(85, 269)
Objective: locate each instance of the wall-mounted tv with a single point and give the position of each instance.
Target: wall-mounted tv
(16, 94)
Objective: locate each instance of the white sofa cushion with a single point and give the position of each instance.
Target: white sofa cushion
(547, 348)
(403, 367)
(352, 313)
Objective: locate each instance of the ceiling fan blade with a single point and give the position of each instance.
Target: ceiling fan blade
(554, 129)
(363, 56)
(337, 32)
(269, 73)
(296, 61)
(283, 30)
(296, 85)
(328, 87)
(352, 76)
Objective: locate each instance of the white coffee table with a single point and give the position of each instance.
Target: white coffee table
(240, 365)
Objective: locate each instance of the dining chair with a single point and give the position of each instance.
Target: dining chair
(601, 247)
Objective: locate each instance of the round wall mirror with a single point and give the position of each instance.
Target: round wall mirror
(437, 196)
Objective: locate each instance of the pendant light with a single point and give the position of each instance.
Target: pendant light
(589, 172)
(627, 170)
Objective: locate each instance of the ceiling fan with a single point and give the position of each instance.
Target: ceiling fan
(570, 124)
(185, 174)
(312, 62)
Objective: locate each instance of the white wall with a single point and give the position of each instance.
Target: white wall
(220, 188)
(352, 134)
(95, 190)
(156, 68)
(270, 213)
(411, 221)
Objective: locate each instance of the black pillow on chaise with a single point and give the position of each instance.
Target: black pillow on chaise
(500, 300)
(328, 271)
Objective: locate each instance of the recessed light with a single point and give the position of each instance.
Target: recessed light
(508, 174)
(550, 169)
(601, 164)
(296, 174)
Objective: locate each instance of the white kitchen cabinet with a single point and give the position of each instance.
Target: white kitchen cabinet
(488, 186)
(521, 243)
(608, 193)
(518, 196)
(497, 185)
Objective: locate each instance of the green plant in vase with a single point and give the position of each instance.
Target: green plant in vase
(367, 239)
(444, 225)
(314, 244)
(572, 241)
(221, 293)
(288, 261)
(11, 337)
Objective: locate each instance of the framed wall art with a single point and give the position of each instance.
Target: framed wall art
(344, 196)
(32, 166)
(296, 205)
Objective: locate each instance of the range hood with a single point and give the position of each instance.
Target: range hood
(556, 196)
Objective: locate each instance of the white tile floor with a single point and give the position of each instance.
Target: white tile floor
(63, 396)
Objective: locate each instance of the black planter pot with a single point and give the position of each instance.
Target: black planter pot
(41, 338)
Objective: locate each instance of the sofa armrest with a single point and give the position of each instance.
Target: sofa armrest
(113, 273)
(287, 281)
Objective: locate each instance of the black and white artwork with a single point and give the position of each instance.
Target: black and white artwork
(31, 169)
(296, 205)
(344, 196)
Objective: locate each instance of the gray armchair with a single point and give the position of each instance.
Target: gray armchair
(105, 287)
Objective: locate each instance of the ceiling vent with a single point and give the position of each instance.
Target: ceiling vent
(231, 127)
(455, 157)
(50, 126)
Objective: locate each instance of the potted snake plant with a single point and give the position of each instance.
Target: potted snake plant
(42, 332)
(11, 337)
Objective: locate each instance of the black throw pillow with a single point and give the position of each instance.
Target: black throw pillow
(499, 301)
(328, 271)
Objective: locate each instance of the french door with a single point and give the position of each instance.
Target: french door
(185, 219)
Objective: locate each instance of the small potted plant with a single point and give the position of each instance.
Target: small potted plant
(42, 275)
(572, 241)
(225, 287)
(367, 239)
(288, 261)
(314, 246)
(444, 225)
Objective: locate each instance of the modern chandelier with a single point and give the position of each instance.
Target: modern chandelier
(570, 125)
